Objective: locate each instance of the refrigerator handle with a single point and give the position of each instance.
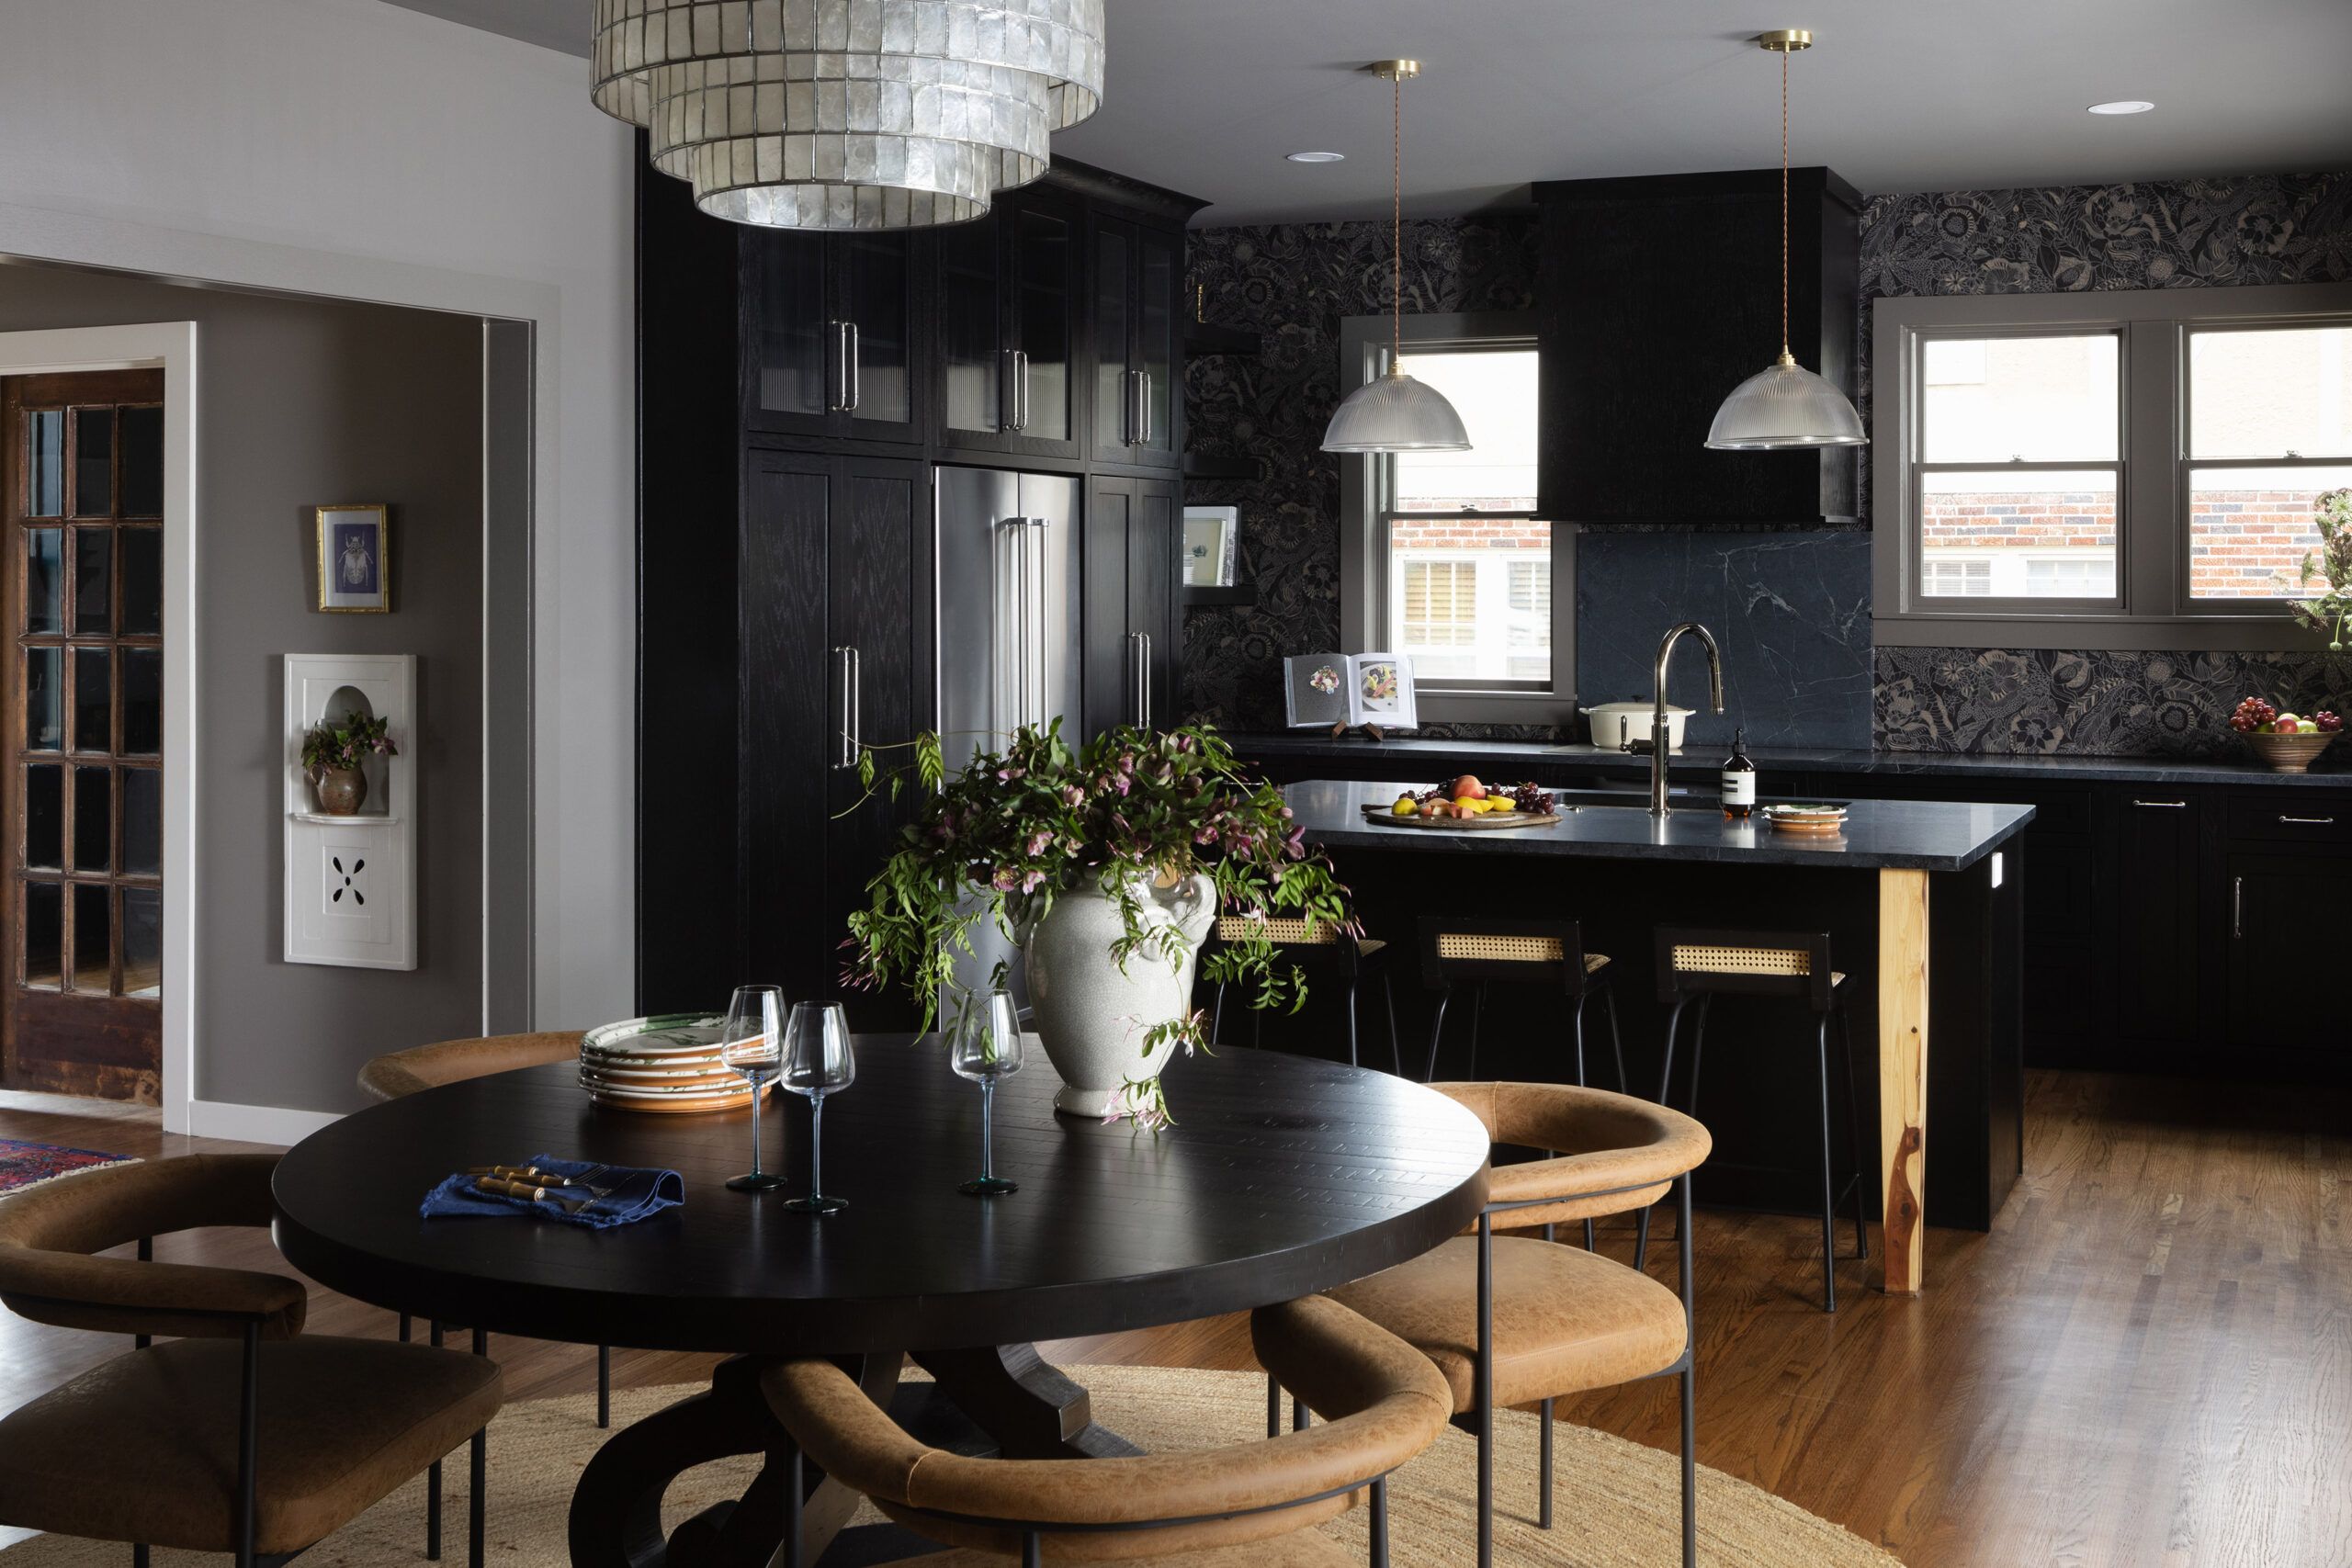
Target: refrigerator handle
(1041, 675)
(852, 739)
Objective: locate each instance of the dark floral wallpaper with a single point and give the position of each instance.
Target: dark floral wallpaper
(1293, 284)
(2155, 234)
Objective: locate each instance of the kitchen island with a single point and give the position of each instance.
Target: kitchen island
(1929, 888)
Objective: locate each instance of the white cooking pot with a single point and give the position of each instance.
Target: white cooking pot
(1613, 723)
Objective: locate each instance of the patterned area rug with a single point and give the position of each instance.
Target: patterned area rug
(1618, 1505)
(24, 1164)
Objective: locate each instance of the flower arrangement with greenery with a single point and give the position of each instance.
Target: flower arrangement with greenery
(1019, 827)
(2330, 611)
(330, 746)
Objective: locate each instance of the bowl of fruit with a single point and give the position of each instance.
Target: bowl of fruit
(1467, 803)
(2284, 742)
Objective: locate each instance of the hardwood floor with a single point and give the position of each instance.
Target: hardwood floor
(2148, 1361)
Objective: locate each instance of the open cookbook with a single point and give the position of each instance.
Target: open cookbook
(1343, 691)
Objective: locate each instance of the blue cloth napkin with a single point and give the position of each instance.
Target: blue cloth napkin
(636, 1195)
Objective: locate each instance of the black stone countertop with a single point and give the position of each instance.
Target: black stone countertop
(1907, 835)
(1416, 756)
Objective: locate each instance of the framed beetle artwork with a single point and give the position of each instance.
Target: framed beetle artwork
(355, 548)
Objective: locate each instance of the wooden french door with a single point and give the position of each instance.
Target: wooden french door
(82, 738)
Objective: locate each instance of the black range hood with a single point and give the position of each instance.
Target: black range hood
(1660, 295)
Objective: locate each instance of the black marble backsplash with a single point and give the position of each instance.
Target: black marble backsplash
(1799, 644)
(1792, 612)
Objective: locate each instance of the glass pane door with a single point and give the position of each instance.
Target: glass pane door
(82, 792)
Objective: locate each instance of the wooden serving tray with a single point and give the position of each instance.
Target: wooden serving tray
(1387, 815)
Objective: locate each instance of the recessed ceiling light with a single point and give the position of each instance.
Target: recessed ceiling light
(2123, 106)
(1317, 157)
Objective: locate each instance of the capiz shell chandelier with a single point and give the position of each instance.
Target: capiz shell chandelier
(849, 113)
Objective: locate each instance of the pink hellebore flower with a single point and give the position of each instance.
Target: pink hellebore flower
(1029, 884)
(1038, 841)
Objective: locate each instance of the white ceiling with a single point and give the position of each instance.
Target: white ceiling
(1207, 95)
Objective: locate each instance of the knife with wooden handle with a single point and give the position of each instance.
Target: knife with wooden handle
(500, 1187)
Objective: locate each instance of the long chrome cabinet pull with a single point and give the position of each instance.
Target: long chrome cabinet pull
(1020, 389)
(1145, 722)
(837, 397)
(2237, 906)
(1137, 643)
(2308, 821)
(851, 375)
(1143, 408)
(2161, 805)
(852, 738)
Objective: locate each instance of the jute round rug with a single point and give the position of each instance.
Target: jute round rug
(1618, 1502)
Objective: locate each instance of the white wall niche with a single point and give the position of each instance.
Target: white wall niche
(351, 880)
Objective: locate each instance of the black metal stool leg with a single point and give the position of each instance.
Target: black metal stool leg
(1862, 1160)
(1301, 1417)
(1477, 1015)
(1217, 1015)
(432, 1485)
(1396, 1041)
(1351, 1022)
(139, 1556)
(1665, 1081)
(1616, 1041)
(1257, 1028)
(1576, 1030)
(603, 1385)
(1273, 1406)
(1828, 1182)
(406, 1329)
(1484, 1387)
(1437, 1032)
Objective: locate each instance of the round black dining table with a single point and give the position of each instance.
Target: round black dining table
(1282, 1177)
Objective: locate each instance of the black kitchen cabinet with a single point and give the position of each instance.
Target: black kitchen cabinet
(1008, 329)
(1132, 325)
(2151, 869)
(794, 394)
(829, 334)
(2285, 949)
(1658, 295)
(835, 561)
(1131, 618)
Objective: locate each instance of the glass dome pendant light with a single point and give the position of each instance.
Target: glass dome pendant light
(1394, 413)
(1786, 407)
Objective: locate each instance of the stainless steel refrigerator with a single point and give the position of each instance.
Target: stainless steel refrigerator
(1006, 549)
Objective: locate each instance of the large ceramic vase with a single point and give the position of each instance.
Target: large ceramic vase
(1091, 1016)
(340, 790)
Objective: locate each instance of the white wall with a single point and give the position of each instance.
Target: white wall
(353, 149)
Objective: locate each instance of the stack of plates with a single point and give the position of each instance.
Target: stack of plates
(667, 1063)
(1807, 817)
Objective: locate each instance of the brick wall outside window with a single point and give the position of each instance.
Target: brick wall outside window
(2243, 544)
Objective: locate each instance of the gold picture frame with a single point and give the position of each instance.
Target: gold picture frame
(353, 545)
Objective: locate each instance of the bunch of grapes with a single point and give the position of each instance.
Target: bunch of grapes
(1532, 798)
(2252, 715)
(2327, 723)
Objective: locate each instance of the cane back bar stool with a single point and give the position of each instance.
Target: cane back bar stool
(1246, 1506)
(399, 1073)
(1311, 944)
(1466, 951)
(1512, 1320)
(240, 1433)
(1695, 966)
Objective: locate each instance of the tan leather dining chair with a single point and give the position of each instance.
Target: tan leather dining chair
(238, 1433)
(1517, 1320)
(399, 1073)
(1246, 1506)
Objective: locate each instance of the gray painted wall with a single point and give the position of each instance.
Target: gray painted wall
(302, 402)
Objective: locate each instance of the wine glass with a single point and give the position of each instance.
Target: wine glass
(749, 1045)
(818, 1062)
(989, 1049)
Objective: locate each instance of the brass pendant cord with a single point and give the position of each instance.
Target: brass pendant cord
(1785, 354)
(1397, 230)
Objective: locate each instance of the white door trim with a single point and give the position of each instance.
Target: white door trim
(172, 345)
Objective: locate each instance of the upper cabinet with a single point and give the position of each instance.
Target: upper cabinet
(829, 334)
(1133, 296)
(1008, 328)
(1658, 296)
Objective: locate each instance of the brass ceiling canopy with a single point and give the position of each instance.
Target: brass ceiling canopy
(1785, 41)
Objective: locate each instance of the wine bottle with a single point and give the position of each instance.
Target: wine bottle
(1739, 780)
